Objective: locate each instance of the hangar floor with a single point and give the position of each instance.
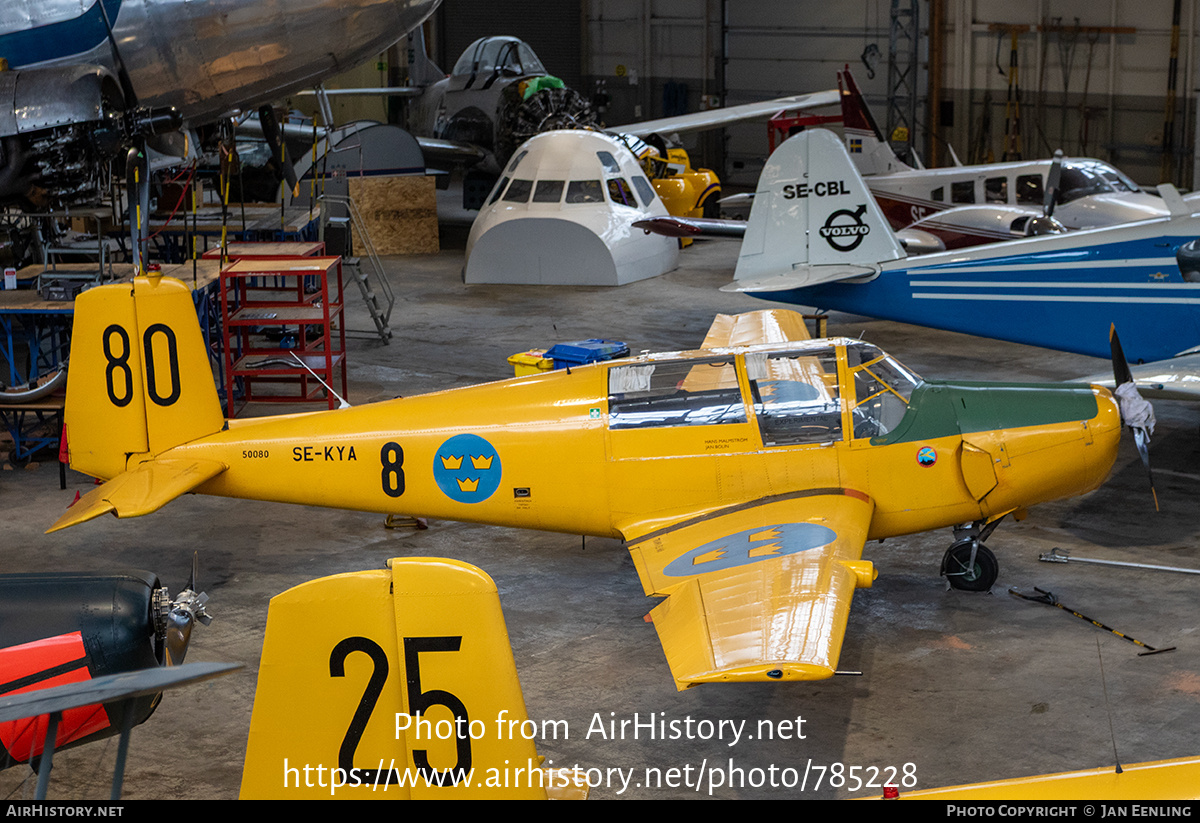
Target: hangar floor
(967, 687)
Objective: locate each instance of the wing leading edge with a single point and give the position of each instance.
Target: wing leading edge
(757, 592)
(715, 118)
(1177, 378)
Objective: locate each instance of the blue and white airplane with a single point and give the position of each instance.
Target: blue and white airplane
(815, 237)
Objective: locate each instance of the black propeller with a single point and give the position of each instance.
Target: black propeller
(1045, 223)
(1136, 412)
(1052, 183)
(274, 137)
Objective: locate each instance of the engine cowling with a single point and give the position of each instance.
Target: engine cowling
(60, 128)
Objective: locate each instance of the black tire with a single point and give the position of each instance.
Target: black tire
(978, 577)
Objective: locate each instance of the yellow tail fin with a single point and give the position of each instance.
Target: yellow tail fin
(140, 381)
(396, 683)
(139, 385)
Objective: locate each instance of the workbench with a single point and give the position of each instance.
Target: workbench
(189, 234)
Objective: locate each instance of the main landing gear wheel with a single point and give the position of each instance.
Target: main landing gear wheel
(966, 574)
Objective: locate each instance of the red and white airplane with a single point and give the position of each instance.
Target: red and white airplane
(969, 205)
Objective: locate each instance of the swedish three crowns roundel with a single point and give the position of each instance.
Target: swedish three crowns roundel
(467, 468)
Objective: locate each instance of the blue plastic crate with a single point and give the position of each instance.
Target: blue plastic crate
(581, 352)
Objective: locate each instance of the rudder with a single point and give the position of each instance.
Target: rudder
(868, 149)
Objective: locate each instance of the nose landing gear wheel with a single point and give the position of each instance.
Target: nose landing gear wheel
(969, 575)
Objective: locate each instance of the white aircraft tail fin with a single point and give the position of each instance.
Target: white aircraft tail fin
(421, 70)
(871, 153)
(813, 220)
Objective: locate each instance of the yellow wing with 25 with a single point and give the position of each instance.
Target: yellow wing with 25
(759, 591)
(397, 683)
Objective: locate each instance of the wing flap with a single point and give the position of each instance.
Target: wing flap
(139, 491)
(743, 628)
(758, 593)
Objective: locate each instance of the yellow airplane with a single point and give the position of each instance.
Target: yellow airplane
(397, 683)
(1177, 779)
(745, 478)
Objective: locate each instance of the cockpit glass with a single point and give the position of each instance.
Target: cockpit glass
(644, 189)
(518, 191)
(609, 162)
(882, 389)
(674, 393)
(548, 191)
(795, 396)
(487, 54)
(496, 192)
(620, 193)
(585, 191)
(530, 64)
(1080, 179)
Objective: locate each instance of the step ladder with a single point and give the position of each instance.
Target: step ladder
(339, 219)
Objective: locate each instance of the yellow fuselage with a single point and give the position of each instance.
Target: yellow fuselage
(545, 458)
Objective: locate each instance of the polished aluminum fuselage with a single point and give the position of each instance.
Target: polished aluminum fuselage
(207, 57)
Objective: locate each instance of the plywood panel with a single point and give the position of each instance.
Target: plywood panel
(400, 213)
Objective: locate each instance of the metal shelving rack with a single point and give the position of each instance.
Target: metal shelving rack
(298, 300)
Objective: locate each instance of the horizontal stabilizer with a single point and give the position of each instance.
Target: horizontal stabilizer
(692, 227)
(1155, 780)
(142, 490)
(802, 278)
(757, 593)
(1174, 200)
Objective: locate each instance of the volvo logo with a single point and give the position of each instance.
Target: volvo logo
(845, 229)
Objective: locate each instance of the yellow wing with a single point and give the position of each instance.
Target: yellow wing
(760, 591)
(746, 329)
(762, 326)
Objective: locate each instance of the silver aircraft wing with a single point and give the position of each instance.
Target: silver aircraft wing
(714, 118)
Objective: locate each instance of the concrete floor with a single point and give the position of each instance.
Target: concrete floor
(967, 687)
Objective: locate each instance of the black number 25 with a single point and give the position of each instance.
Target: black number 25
(418, 703)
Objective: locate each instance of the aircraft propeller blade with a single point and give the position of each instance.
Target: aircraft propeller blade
(184, 611)
(1052, 183)
(274, 137)
(1136, 411)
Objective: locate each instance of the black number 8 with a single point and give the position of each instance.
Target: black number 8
(115, 363)
(392, 476)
